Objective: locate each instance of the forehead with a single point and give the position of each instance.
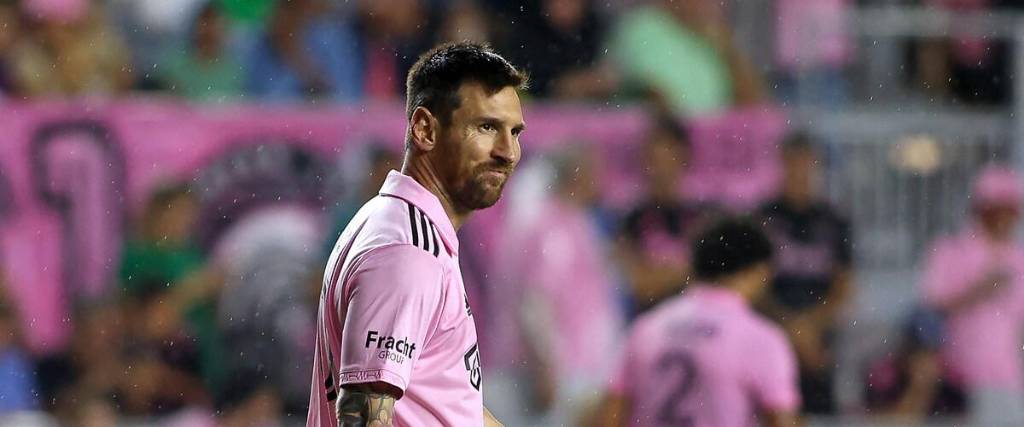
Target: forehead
(476, 101)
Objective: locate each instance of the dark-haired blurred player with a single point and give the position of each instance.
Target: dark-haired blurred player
(705, 358)
(396, 341)
(655, 237)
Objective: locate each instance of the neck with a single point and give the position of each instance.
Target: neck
(748, 291)
(421, 170)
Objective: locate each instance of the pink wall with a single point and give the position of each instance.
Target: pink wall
(71, 175)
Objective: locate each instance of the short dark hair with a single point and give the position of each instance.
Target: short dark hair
(435, 78)
(728, 246)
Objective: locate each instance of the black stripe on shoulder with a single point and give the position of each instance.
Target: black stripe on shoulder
(412, 223)
(433, 234)
(426, 231)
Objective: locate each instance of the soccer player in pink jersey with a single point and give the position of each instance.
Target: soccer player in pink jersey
(705, 358)
(396, 341)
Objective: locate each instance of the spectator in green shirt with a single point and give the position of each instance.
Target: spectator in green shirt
(163, 259)
(684, 52)
(203, 69)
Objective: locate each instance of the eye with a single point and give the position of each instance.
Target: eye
(516, 132)
(488, 127)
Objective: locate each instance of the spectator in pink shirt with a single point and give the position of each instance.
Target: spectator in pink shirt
(976, 278)
(562, 290)
(813, 46)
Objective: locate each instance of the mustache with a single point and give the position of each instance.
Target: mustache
(503, 167)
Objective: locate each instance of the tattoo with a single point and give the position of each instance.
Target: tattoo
(365, 409)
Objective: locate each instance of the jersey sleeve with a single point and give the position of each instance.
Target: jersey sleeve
(774, 373)
(393, 299)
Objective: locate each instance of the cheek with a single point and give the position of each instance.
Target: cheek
(475, 150)
(518, 150)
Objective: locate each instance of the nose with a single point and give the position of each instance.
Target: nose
(506, 148)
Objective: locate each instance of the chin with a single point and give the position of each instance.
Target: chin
(482, 199)
(487, 201)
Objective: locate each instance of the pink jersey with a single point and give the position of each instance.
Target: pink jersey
(705, 359)
(394, 309)
(983, 342)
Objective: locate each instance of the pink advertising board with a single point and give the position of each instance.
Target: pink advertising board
(73, 175)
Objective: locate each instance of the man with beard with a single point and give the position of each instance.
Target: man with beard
(396, 342)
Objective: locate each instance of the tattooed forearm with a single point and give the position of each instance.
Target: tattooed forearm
(365, 409)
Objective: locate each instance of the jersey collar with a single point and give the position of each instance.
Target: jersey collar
(404, 187)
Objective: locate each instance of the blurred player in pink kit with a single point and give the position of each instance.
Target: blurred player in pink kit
(976, 279)
(705, 358)
(396, 340)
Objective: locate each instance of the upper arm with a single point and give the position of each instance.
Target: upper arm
(774, 374)
(392, 302)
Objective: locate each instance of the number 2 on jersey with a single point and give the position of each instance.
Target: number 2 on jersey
(680, 368)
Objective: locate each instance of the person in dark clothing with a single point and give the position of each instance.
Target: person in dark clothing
(813, 269)
(561, 48)
(909, 385)
(653, 240)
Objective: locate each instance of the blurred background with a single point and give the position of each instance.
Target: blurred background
(173, 174)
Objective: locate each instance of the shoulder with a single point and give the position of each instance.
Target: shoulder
(397, 270)
(765, 334)
(389, 245)
(667, 311)
(400, 257)
(390, 221)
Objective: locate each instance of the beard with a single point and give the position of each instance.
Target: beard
(480, 191)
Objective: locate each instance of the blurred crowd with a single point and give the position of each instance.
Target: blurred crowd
(195, 335)
(221, 335)
(574, 275)
(359, 51)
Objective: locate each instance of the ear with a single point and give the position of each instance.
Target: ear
(425, 128)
